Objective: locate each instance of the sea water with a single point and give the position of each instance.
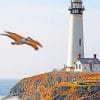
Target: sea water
(5, 86)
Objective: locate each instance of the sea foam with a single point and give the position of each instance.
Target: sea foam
(9, 98)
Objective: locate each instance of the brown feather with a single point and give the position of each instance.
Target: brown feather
(14, 36)
(37, 42)
(32, 44)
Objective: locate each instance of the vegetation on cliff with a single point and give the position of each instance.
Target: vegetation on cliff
(59, 86)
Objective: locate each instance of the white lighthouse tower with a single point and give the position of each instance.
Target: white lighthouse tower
(76, 41)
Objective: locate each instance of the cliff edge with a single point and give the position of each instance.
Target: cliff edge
(59, 85)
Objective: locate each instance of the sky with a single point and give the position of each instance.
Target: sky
(48, 22)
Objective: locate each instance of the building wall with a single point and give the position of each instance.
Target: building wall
(86, 67)
(97, 67)
(78, 63)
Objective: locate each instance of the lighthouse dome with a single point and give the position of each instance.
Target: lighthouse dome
(76, 0)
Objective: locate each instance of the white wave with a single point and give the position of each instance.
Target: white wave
(1, 97)
(9, 98)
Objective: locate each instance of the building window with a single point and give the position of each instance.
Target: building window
(91, 66)
(79, 66)
(76, 66)
(85, 68)
(80, 42)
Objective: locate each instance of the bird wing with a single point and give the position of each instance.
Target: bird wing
(13, 36)
(36, 42)
(32, 44)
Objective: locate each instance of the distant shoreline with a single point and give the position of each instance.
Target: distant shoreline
(6, 85)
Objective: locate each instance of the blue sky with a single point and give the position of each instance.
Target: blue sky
(48, 22)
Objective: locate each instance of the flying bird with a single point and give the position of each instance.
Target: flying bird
(19, 40)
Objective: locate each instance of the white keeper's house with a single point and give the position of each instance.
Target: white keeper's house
(87, 64)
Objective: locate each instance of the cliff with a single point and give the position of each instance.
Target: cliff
(59, 86)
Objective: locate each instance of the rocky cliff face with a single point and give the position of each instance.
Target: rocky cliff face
(59, 86)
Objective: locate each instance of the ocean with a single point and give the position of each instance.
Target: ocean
(5, 86)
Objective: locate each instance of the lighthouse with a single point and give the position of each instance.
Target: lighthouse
(76, 40)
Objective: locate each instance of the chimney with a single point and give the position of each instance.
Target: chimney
(79, 56)
(95, 56)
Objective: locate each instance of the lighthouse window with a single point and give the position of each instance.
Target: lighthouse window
(80, 42)
(80, 11)
(76, 11)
